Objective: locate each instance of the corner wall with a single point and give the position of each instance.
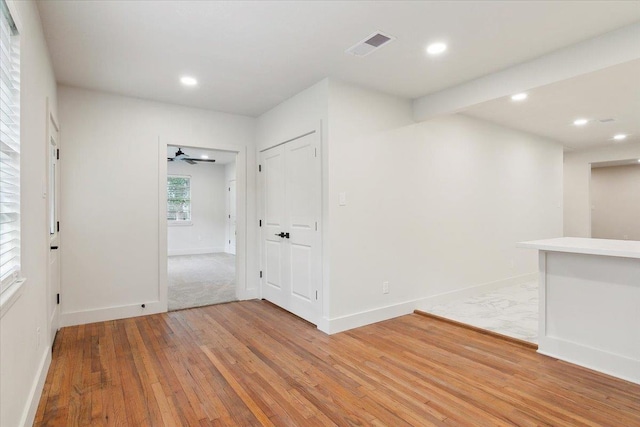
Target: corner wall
(577, 177)
(432, 208)
(110, 201)
(25, 354)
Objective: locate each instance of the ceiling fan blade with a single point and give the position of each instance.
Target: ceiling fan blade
(191, 162)
(203, 160)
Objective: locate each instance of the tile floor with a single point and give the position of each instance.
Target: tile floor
(511, 311)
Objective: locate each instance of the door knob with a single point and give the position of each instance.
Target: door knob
(286, 235)
(281, 234)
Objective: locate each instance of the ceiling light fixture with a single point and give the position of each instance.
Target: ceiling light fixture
(204, 156)
(519, 97)
(436, 48)
(620, 137)
(188, 81)
(580, 122)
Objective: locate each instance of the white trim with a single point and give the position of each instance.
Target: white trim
(592, 358)
(356, 320)
(10, 296)
(363, 318)
(178, 223)
(29, 414)
(197, 251)
(111, 313)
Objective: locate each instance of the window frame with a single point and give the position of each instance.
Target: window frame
(180, 222)
(13, 281)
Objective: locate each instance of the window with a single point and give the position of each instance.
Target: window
(179, 199)
(9, 149)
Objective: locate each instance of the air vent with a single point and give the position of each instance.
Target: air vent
(606, 120)
(370, 44)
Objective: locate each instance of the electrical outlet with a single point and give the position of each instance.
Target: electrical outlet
(385, 287)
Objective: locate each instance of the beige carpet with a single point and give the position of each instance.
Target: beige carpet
(197, 280)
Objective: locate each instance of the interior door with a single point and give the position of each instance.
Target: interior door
(232, 216)
(302, 177)
(273, 245)
(53, 198)
(291, 238)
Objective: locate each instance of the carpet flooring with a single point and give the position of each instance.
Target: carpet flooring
(198, 280)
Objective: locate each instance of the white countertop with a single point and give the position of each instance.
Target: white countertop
(580, 245)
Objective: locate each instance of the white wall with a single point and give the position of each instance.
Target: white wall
(432, 207)
(293, 117)
(577, 176)
(25, 355)
(615, 200)
(207, 230)
(110, 196)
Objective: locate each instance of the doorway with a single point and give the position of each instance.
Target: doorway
(201, 262)
(615, 200)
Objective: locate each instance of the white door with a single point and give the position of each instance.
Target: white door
(53, 199)
(291, 244)
(232, 216)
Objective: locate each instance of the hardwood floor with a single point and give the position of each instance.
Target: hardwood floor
(250, 363)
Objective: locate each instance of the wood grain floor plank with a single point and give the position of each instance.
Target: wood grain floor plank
(250, 363)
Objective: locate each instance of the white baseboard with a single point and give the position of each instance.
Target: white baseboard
(474, 291)
(111, 313)
(356, 320)
(609, 363)
(248, 294)
(35, 393)
(196, 251)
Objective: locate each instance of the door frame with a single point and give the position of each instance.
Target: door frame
(321, 322)
(53, 321)
(241, 215)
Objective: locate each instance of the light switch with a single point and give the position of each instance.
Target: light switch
(342, 199)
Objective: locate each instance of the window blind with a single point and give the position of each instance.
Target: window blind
(9, 149)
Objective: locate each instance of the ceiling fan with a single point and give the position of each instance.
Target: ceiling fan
(181, 156)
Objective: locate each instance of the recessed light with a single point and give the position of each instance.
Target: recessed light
(188, 81)
(519, 97)
(638, 160)
(204, 156)
(620, 137)
(580, 122)
(436, 48)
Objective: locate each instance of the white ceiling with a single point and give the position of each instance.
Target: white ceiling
(221, 157)
(250, 56)
(550, 110)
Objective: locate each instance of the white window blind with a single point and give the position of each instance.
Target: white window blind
(9, 149)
